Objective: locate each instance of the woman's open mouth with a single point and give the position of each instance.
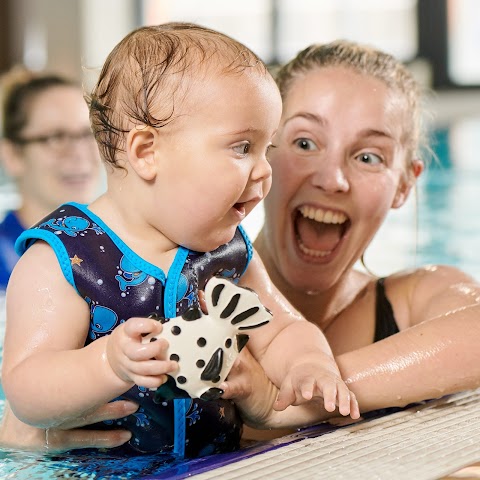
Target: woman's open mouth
(319, 231)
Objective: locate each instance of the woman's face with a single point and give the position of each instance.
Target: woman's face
(63, 164)
(338, 168)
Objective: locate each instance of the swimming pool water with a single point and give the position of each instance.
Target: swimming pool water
(442, 226)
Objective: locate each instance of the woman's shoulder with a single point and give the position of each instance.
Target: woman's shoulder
(427, 291)
(438, 275)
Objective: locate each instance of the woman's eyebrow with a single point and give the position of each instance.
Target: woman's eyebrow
(307, 116)
(322, 121)
(373, 132)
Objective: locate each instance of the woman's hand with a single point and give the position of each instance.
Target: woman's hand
(69, 436)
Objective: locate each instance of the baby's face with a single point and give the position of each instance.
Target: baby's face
(215, 168)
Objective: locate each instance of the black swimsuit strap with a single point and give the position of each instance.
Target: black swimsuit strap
(385, 324)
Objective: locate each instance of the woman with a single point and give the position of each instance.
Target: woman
(347, 152)
(47, 150)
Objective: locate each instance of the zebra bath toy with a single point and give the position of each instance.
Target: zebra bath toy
(206, 346)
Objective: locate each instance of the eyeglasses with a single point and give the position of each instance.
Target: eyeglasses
(59, 140)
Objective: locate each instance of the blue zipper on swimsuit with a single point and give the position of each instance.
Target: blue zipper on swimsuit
(180, 405)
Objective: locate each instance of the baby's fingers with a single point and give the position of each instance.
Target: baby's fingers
(307, 389)
(138, 352)
(345, 399)
(150, 382)
(151, 373)
(152, 368)
(286, 397)
(354, 409)
(136, 327)
(329, 393)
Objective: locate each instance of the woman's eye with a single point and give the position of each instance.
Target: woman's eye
(305, 144)
(269, 149)
(242, 149)
(370, 159)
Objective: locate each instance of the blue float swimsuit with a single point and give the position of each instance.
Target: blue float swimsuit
(10, 229)
(118, 284)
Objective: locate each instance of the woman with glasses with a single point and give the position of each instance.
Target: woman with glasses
(47, 150)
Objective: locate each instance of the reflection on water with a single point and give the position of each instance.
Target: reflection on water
(448, 232)
(86, 465)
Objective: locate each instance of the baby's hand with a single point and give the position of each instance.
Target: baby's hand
(136, 362)
(310, 379)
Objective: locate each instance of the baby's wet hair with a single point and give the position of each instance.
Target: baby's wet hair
(148, 74)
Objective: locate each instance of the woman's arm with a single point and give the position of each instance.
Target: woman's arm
(429, 360)
(432, 358)
(435, 353)
(18, 435)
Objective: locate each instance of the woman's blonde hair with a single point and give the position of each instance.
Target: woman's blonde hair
(369, 61)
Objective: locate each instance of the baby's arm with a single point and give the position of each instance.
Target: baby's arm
(255, 395)
(48, 375)
(294, 353)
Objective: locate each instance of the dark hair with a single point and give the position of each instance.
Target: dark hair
(149, 73)
(19, 88)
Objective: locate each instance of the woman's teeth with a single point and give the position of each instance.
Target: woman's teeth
(323, 216)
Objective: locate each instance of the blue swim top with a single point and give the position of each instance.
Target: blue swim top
(118, 284)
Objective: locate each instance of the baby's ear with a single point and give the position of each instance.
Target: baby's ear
(141, 151)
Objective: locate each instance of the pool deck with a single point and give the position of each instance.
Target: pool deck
(435, 440)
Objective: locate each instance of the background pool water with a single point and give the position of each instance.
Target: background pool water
(440, 224)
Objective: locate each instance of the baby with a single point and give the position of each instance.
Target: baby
(184, 117)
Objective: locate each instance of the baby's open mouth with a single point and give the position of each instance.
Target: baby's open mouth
(319, 231)
(240, 207)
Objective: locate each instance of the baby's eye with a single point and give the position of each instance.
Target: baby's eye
(242, 148)
(305, 144)
(370, 158)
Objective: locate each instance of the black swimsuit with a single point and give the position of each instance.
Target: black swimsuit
(385, 324)
(385, 327)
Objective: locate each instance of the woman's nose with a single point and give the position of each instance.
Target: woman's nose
(330, 176)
